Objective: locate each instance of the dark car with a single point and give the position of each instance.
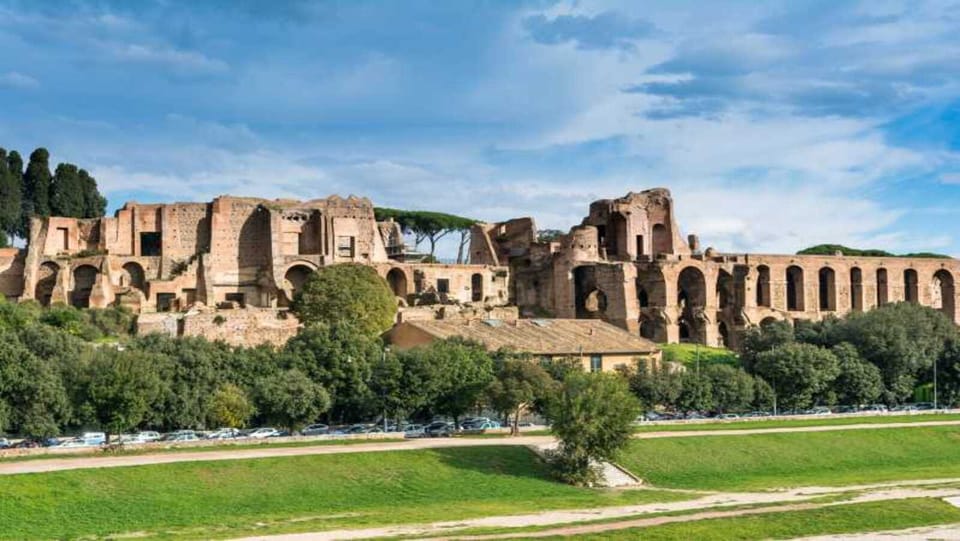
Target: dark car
(318, 429)
(440, 429)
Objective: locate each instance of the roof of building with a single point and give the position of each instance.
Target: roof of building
(541, 336)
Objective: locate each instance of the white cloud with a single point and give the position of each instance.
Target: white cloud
(187, 61)
(15, 79)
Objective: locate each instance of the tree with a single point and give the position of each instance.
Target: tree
(347, 292)
(94, 204)
(656, 385)
(696, 392)
(858, 381)
(121, 387)
(231, 407)
(291, 400)
(798, 373)
(10, 197)
(731, 387)
(31, 390)
(66, 192)
(764, 338)
(463, 370)
(592, 415)
(430, 226)
(341, 359)
(36, 189)
(519, 383)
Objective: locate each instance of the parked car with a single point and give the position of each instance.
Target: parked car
(186, 435)
(440, 429)
(924, 406)
(318, 429)
(223, 434)
(413, 431)
(265, 432)
(148, 436)
(4, 443)
(76, 442)
(728, 416)
(94, 438)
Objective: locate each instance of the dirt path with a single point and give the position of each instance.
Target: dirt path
(85, 461)
(713, 506)
(947, 532)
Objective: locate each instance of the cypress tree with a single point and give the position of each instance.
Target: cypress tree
(36, 184)
(13, 199)
(66, 192)
(94, 204)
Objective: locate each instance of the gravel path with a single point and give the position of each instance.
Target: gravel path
(713, 505)
(85, 461)
(948, 532)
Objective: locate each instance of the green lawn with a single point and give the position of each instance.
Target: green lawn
(825, 420)
(760, 461)
(687, 354)
(204, 500)
(839, 519)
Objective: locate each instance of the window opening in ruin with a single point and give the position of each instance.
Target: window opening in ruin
(238, 298)
(763, 286)
(882, 294)
(602, 236)
(64, 236)
(190, 296)
(640, 246)
(643, 298)
(165, 301)
(46, 282)
(691, 301)
(132, 276)
(724, 335)
(856, 289)
(828, 289)
(795, 289)
(150, 244)
(724, 289)
(596, 363)
(476, 287)
(345, 246)
(443, 285)
(398, 282)
(943, 287)
(910, 286)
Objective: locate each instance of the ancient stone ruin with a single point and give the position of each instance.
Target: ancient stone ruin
(228, 269)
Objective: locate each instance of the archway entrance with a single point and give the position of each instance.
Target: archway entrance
(133, 276)
(691, 301)
(46, 282)
(84, 277)
(945, 294)
(293, 281)
(398, 282)
(795, 289)
(476, 287)
(911, 286)
(828, 289)
(856, 289)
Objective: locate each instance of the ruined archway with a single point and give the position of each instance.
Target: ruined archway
(856, 289)
(691, 301)
(795, 290)
(398, 282)
(911, 286)
(944, 294)
(827, 289)
(84, 278)
(132, 276)
(724, 333)
(617, 235)
(653, 329)
(46, 282)
(590, 301)
(763, 286)
(883, 293)
(293, 281)
(725, 294)
(476, 287)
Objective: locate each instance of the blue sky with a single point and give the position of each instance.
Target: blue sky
(776, 125)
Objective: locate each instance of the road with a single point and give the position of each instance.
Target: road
(42, 465)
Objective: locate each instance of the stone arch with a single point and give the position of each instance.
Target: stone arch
(293, 281)
(651, 285)
(911, 286)
(691, 300)
(46, 282)
(617, 236)
(827, 288)
(763, 286)
(132, 276)
(944, 292)
(84, 278)
(398, 282)
(661, 240)
(590, 301)
(768, 321)
(856, 289)
(883, 291)
(725, 293)
(795, 289)
(653, 329)
(476, 287)
(724, 335)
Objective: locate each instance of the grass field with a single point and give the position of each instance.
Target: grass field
(687, 354)
(825, 420)
(203, 500)
(761, 461)
(840, 519)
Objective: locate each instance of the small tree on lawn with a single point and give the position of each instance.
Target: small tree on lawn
(121, 386)
(592, 416)
(519, 383)
(231, 407)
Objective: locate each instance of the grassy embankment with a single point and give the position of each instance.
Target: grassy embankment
(762, 461)
(825, 420)
(228, 498)
(687, 354)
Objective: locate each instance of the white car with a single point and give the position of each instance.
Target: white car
(147, 436)
(77, 442)
(262, 433)
(413, 431)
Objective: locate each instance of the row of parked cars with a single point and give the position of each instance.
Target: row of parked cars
(407, 430)
(819, 410)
